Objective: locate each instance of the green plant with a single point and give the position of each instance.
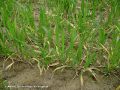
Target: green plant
(71, 34)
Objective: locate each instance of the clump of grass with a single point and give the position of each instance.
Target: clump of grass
(3, 85)
(67, 33)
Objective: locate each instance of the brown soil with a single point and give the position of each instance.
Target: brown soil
(21, 74)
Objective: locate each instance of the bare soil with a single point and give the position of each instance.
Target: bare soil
(22, 74)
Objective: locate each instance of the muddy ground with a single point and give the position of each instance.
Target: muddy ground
(24, 77)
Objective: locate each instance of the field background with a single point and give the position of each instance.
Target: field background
(82, 35)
